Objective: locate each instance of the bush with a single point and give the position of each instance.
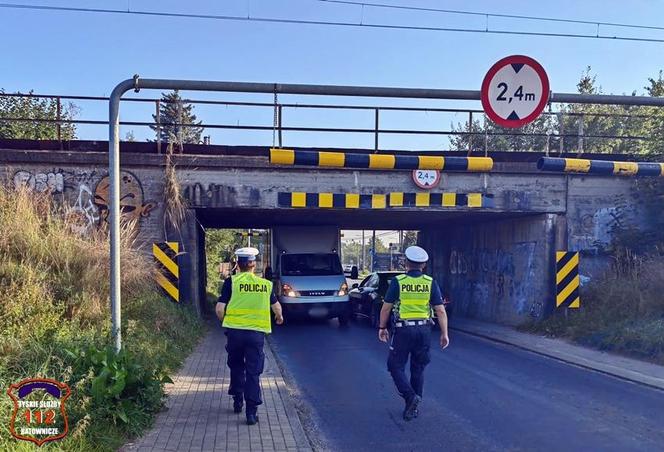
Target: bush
(622, 312)
(55, 323)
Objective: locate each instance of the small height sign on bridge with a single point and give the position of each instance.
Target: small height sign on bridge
(515, 91)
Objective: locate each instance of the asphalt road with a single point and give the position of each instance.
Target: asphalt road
(478, 396)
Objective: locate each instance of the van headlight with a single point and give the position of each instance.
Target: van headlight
(343, 290)
(288, 291)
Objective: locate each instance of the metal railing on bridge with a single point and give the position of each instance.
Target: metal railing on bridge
(473, 134)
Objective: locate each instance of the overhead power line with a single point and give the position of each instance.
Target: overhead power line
(497, 15)
(325, 23)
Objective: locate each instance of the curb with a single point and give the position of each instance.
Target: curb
(301, 438)
(555, 357)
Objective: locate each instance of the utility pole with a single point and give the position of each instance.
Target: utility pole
(364, 254)
(373, 250)
(249, 238)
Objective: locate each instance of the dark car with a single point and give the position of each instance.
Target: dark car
(366, 299)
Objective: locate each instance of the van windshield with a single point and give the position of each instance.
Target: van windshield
(310, 264)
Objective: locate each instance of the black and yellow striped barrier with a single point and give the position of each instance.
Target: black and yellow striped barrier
(383, 201)
(249, 234)
(567, 165)
(167, 273)
(567, 280)
(379, 161)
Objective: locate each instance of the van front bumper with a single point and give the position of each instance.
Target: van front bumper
(323, 310)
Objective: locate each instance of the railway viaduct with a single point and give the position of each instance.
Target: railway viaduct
(492, 235)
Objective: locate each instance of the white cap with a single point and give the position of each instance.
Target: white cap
(416, 254)
(247, 253)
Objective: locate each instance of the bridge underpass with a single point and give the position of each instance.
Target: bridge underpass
(494, 265)
(488, 233)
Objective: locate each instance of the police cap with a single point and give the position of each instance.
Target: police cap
(416, 254)
(246, 254)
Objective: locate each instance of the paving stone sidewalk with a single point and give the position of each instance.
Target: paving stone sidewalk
(200, 414)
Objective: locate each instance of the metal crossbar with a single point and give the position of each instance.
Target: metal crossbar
(283, 107)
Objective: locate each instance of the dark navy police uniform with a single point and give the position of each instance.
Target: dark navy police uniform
(410, 341)
(246, 358)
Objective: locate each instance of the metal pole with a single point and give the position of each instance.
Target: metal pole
(470, 129)
(364, 254)
(59, 126)
(158, 121)
(561, 132)
(376, 121)
(580, 143)
(242, 87)
(279, 126)
(373, 251)
(114, 208)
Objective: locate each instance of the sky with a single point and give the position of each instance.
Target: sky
(81, 53)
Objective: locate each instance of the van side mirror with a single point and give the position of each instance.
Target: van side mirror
(268, 273)
(353, 272)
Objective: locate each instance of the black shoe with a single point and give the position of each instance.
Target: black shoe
(252, 419)
(237, 406)
(411, 408)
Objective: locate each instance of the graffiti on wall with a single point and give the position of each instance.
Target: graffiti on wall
(132, 205)
(51, 182)
(85, 195)
(487, 278)
(594, 231)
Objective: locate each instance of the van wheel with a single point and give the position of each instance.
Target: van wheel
(344, 319)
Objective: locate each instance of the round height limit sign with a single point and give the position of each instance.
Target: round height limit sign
(515, 91)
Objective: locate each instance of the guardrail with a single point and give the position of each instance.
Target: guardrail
(281, 109)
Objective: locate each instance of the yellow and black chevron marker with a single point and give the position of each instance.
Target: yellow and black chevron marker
(379, 161)
(383, 201)
(567, 280)
(567, 165)
(167, 271)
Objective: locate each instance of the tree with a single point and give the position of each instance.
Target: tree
(220, 246)
(575, 127)
(177, 120)
(409, 239)
(594, 127)
(32, 107)
(488, 136)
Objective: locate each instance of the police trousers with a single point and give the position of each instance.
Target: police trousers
(409, 342)
(246, 360)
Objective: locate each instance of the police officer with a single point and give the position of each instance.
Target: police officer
(410, 297)
(244, 309)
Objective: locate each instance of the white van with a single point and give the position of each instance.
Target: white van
(307, 272)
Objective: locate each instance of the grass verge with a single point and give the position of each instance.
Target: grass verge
(55, 323)
(622, 312)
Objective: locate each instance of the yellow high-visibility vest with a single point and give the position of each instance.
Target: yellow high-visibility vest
(414, 296)
(249, 306)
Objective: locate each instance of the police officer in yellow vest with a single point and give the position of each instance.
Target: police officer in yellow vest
(244, 309)
(410, 297)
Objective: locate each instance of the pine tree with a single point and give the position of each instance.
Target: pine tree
(178, 122)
